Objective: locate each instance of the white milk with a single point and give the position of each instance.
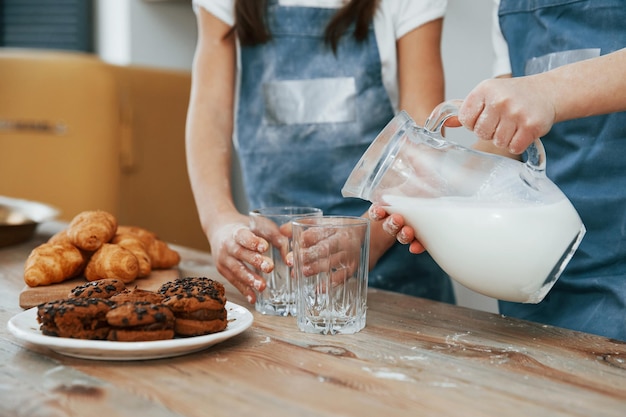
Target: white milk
(505, 251)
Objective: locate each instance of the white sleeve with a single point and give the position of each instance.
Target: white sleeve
(502, 63)
(410, 14)
(222, 9)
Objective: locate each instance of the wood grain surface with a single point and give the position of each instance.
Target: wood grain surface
(415, 357)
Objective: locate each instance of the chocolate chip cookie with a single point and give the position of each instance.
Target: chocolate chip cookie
(198, 304)
(77, 318)
(103, 288)
(137, 294)
(140, 321)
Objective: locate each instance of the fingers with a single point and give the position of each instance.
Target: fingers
(471, 109)
(249, 248)
(289, 259)
(244, 237)
(502, 131)
(520, 141)
(510, 112)
(503, 134)
(394, 226)
(326, 252)
(312, 237)
(236, 252)
(406, 235)
(486, 125)
(376, 212)
(278, 236)
(340, 266)
(265, 228)
(453, 122)
(286, 229)
(485, 119)
(416, 247)
(243, 279)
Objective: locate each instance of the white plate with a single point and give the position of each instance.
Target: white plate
(25, 327)
(21, 210)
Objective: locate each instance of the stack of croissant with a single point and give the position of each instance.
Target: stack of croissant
(96, 246)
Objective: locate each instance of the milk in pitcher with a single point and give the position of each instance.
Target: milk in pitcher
(506, 251)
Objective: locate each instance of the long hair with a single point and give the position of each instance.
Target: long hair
(251, 24)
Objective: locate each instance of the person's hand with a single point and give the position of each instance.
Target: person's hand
(236, 251)
(511, 112)
(278, 236)
(334, 250)
(394, 225)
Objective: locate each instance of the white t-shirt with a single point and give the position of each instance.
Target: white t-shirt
(501, 64)
(393, 19)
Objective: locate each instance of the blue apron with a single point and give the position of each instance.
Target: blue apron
(305, 116)
(586, 158)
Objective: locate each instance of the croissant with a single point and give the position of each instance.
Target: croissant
(136, 246)
(60, 238)
(112, 261)
(161, 255)
(89, 230)
(50, 263)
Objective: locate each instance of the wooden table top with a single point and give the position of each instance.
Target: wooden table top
(414, 357)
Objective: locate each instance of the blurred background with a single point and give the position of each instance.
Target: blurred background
(94, 96)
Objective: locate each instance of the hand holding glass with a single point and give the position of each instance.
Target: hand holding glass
(331, 261)
(274, 225)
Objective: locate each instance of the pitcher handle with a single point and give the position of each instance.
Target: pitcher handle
(535, 153)
(441, 113)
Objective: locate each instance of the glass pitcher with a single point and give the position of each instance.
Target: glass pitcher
(496, 225)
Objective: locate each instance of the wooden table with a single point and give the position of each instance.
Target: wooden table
(415, 357)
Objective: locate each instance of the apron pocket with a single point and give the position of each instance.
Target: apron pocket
(323, 100)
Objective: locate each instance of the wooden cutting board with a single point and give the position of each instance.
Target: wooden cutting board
(33, 296)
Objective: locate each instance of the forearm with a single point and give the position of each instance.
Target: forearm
(513, 112)
(210, 120)
(588, 88)
(208, 164)
(420, 71)
(208, 148)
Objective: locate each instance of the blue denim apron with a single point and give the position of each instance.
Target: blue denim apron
(305, 116)
(586, 158)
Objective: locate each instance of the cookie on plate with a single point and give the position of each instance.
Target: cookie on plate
(77, 318)
(137, 294)
(198, 303)
(102, 288)
(140, 321)
(193, 286)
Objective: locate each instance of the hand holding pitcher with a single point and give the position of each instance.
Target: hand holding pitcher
(496, 225)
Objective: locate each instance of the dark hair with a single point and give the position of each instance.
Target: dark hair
(251, 26)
